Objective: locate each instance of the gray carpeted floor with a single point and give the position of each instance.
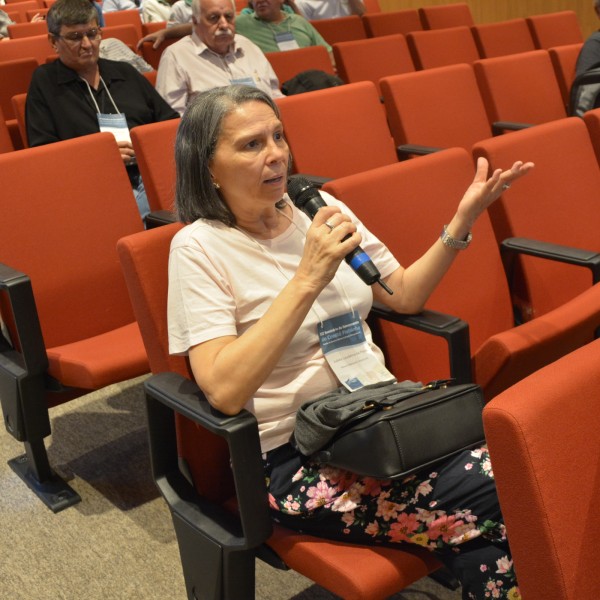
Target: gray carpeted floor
(118, 543)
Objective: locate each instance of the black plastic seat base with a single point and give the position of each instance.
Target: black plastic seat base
(55, 493)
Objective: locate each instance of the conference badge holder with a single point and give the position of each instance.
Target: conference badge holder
(345, 348)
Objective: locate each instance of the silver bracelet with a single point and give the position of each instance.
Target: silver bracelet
(453, 243)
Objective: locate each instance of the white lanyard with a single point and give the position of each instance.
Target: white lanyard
(115, 124)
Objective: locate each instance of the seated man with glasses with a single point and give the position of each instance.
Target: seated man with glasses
(80, 93)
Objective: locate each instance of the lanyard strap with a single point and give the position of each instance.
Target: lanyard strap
(94, 99)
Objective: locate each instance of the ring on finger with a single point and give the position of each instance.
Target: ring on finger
(329, 225)
(505, 186)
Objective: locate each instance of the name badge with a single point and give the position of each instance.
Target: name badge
(115, 124)
(345, 348)
(243, 81)
(285, 41)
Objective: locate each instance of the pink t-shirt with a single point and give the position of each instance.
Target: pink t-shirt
(222, 280)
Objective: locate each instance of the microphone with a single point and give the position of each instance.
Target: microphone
(307, 198)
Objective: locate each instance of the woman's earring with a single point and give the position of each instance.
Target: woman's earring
(216, 185)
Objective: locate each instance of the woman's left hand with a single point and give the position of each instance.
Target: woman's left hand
(484, 191)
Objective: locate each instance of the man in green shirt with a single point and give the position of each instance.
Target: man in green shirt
(272, 29)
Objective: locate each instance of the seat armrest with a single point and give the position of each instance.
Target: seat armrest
(170, 393)
(17, 287)
(512, 247)
(156, 218)
(499, 127)
(23, 365)
(454, 330)
(318, 181)
(407, 150)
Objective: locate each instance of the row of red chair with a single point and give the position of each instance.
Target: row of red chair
(22, 11)
(455, 105)
(344, 150)
(543, 30)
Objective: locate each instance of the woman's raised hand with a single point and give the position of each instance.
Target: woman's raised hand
(485, 190)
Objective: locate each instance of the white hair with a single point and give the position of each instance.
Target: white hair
(196, 7)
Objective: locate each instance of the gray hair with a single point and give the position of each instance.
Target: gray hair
(70, 12)
(196, 7)
(197, 138)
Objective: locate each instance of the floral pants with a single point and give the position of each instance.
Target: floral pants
(451, 510)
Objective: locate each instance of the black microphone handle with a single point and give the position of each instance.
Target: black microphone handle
(358, 259)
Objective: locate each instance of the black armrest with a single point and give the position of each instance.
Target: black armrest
(499, 127)
(454, 330)
(512, 247)
(317, 180)
(168, 393)
(156, 218)
(407, 150)
(23, 368)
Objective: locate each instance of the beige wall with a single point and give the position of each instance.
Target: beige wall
(489, 11)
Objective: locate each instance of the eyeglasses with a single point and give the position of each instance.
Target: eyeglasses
(76, 37)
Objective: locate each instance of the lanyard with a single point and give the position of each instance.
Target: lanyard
(94, 99)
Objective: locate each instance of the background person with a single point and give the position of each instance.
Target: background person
(272, 29)
(251, 278)
(314, 10)
(212, 56)
(589, 55)
(80, 93)
(114, 5)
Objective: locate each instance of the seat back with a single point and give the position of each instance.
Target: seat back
(340, 29)
(34, 46)
(127, 33)
(446, 15)
(152, 55)
(20, 8)
(564, 61)
(144, 259)
(124, 17)
(537, 431)
(74, 201)
(15, 76)
(153, 27)
(437, 107)
(392, 22)
(559, 202)
(592, 121)
(372, 59)
(16, 17)
(6, 144)
(20, 30)
(12, 3)
(555, 29)
(288, 64)
(37, 11)
(154, 145)
(520, 87)
(355, 138)
(441, 47)
(18, 104)
(502, 38)
(402, 204)
(372, 6)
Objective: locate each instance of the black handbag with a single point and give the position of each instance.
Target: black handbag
(389, 430)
